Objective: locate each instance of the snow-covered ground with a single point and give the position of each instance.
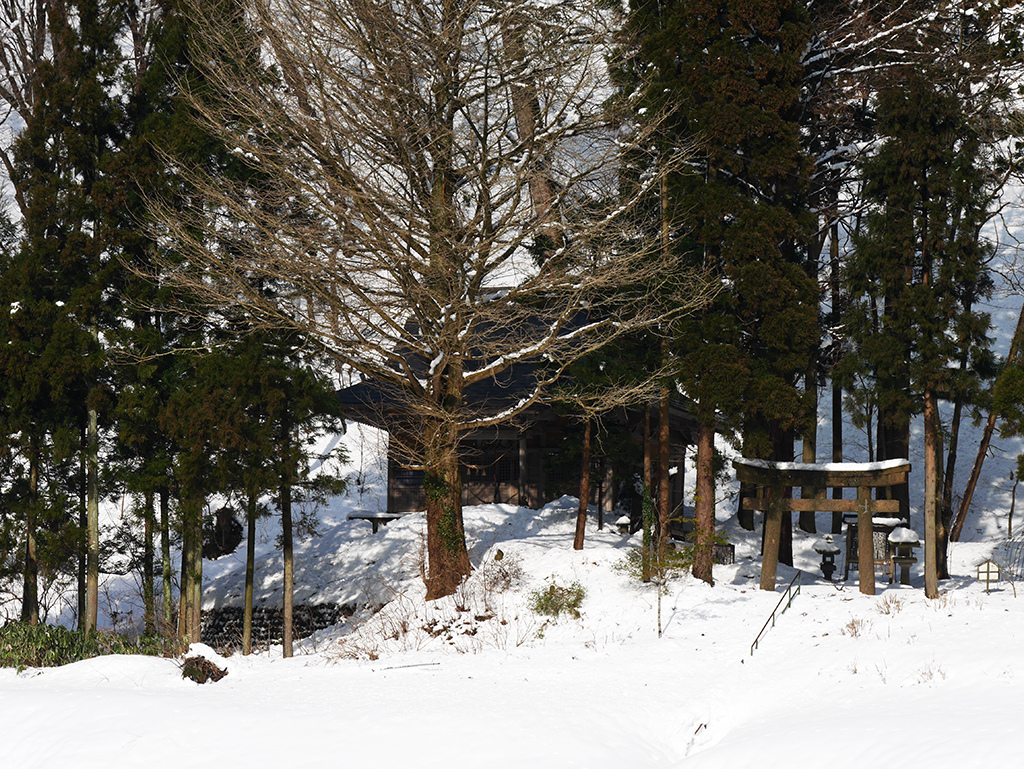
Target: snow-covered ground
(482, 680)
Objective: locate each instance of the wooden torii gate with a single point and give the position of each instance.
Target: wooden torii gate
(774, 477)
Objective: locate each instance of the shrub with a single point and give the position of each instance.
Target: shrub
(502, 573)
(673, 563)
(555, 599)
(40, 646)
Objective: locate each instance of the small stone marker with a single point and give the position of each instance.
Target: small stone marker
(988, 572)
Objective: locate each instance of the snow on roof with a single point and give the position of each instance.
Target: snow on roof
(888, 464)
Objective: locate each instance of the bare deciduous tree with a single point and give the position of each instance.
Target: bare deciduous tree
(443, 204)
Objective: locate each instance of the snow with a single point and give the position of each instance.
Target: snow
(841, 679)
(904, 536)
(835, 467)
(823, 546)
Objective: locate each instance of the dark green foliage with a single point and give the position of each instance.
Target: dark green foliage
(41, 646)
(555, 600)
(920, 270)
(730, 76)
(1008, 399)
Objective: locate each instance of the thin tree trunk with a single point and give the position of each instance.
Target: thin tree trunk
(195, 620)
(190, 595)
(250, 573)
(704, 501)
(645, 555)
(931, 493)
(837, 392)
(148, 599)
(810, 448)
(990, 425)
(92, 570)
(745, 517)
(1013, 504)
(167, 604)
(527, 111)
(83, 525)
(946, 504)
(581, 516)
(184, 593)
(665, 457)
(30, 586)
(289, 563)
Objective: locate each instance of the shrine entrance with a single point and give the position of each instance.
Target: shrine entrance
(775, 481)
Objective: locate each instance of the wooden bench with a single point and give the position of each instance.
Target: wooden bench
(376, 519)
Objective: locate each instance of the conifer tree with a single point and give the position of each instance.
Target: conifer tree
(730, 75)
(923, 264)
(57, 284)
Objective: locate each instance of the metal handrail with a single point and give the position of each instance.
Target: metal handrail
(791, 594)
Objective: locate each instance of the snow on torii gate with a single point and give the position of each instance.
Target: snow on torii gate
(863, 476)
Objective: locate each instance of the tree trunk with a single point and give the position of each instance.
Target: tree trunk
(836, 318)
(837, 450)
(527, 111)
(184, 593)
(932, 481)
(148, 599)
(810, 447)
(647, 503)
(166, 597)
(191, 593)
(250, 573)
(946, 504)
(196, 617)
(581, 516)
(30, 585)
(289, 564)
(704, 501)
(83, 524)
(782, 451)
(745, 517)
(92, 568)
(990, 425)
(1013, 504)
(665, 457)
(447, 557)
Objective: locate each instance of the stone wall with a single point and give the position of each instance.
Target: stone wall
(222, 628)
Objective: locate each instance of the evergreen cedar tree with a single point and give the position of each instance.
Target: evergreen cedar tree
(921, 262)
(730, 75)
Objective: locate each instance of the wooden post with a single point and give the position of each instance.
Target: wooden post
(772, 534)
(865, 542)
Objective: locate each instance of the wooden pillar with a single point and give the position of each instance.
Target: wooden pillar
(772, 534)
(865, 542)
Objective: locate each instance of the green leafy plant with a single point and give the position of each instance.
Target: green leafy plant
(673, 563)
(39, 646)
(555, 600)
